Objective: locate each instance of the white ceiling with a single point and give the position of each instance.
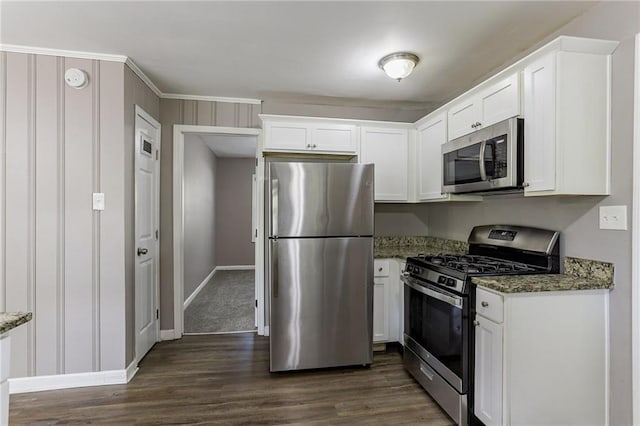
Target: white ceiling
(293, 50)
(237, 146)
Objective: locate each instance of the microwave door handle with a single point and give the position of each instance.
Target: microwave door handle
(483, 171)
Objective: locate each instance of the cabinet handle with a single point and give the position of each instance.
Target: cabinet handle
(313, 146)
(478, 124)
(380, 269)
(525, 184)
(473, 126)
(476, 323)
(484, 304)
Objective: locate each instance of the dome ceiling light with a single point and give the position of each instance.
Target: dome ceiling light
(398, 65)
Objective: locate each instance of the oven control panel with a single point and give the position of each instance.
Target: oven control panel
(442, 280)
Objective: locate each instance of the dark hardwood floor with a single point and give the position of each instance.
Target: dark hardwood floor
(225, 379)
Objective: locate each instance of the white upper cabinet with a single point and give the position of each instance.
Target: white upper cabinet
(486, 106)
(309, 136)
(431, 135)
(334, 138)
(567, 100)
(388, 150)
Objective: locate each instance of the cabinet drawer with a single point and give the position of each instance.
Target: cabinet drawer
(489, 305)
(380, 268)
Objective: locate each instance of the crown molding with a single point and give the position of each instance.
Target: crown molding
(211, 98)
(58, 52)
(122, 59)
(137, 71)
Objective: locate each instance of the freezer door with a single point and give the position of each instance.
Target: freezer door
(321, 302)
(320, 199)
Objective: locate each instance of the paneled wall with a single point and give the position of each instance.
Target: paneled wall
(203, 113)
(59, 258)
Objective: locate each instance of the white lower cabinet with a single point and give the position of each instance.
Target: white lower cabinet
(541, 358)
(380, 309)
(488, 373)
(387, 301)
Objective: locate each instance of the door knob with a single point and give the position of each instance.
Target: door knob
(142, 251)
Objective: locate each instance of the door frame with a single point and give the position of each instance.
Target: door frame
(635, 245)
(139, 112)
(179, 131)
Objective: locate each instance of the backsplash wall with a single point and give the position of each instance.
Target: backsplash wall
(400, 219)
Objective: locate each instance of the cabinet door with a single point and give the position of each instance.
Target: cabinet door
(431, 136)
(463, 117)
(500, 101)
(540, 125)
(388, 150)
(488, 372)
(286, 136)
(334, 138)
(380, 309)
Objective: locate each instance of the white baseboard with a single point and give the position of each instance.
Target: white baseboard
(168, 335)
(236, 267)
(132, 369)
(67, 381)
(199, 288)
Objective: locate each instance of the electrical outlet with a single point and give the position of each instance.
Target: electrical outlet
(98, 200)
(613, 217)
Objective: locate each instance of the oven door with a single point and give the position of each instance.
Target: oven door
(436, 328)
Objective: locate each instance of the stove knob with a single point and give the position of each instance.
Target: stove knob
(451, 282)
(409, 268)
(442, 279)
(416, 270)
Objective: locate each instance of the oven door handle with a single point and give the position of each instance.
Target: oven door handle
(451, 300)
(483, 170)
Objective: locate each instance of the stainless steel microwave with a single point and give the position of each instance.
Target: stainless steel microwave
(487, 160)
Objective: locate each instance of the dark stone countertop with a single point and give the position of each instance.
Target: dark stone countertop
(10, 320)
(403, 247)
(579, 274)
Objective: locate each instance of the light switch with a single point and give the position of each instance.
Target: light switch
(613, 217)
(98, 200)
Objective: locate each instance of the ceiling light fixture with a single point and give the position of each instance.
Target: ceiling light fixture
(398, 65)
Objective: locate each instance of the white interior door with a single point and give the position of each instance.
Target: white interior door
(147, 172)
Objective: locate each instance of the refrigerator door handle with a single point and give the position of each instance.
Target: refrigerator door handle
(274, 208)
(274, 268)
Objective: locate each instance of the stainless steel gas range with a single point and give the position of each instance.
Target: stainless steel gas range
(439, 300)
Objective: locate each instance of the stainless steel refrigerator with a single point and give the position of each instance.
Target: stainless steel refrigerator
(320, 264)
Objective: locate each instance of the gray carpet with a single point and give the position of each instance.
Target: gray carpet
(225, 304)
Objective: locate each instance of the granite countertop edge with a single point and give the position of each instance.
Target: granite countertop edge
(580, 274)
(11, 320)
(403, 247)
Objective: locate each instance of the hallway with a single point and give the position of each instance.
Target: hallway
(226, 304)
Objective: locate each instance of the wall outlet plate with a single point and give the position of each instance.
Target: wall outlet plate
(613, 217)
(98, 200)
